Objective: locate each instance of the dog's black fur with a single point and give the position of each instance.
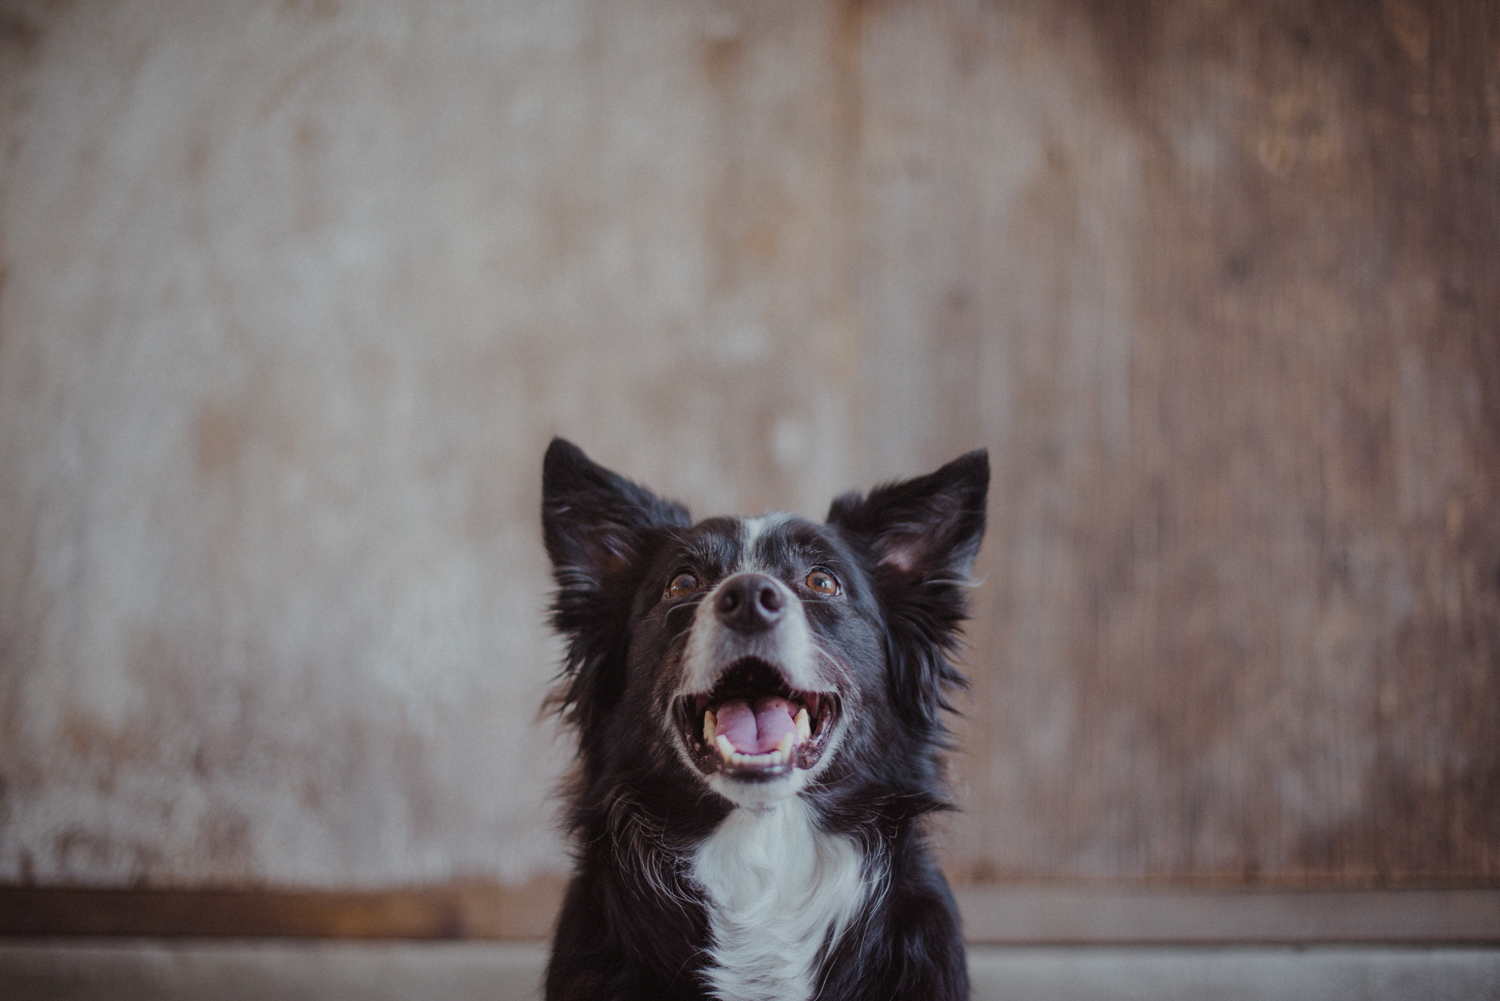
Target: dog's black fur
(645, 794)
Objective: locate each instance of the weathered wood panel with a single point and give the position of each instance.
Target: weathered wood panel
(1217, 284)
(1009, 914)
(295, 293)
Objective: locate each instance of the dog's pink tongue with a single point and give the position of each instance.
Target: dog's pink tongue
(758, 730)
(773, 720)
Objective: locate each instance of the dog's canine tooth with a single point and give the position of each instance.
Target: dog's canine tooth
(726, 749)
(804, 728)
(710, 726)
(785, 746)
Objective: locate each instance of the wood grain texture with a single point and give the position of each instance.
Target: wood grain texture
(1009, 915)
(1217, 284)
(294, 294)
(473, 910)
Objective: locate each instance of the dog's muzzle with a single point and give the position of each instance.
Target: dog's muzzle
(753, 724)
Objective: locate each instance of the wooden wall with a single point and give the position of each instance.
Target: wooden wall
(295, 293)
(1217, 284)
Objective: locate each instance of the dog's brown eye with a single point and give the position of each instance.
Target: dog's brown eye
(682, 585)
(823, 582)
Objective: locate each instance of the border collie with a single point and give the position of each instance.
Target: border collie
(758, 707)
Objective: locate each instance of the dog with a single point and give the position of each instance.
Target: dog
(759, 708)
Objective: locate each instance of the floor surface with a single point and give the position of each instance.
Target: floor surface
(185, 970)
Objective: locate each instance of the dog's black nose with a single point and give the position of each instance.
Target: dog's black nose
(749, 603)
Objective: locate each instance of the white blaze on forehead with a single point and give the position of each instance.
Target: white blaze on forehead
(754, 528)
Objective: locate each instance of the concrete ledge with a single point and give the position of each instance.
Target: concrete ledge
(196, 970)
(1052, 915)
(1234, 973)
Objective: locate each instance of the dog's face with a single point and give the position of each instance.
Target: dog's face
(752, 653)
(760, 638)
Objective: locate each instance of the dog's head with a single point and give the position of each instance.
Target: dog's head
(755, 654)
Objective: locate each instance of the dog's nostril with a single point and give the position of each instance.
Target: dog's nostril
(729, 600)
(770, 599)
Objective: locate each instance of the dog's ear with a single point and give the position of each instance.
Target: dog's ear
(926, 527)
(593, 520)
(596, 525)
(921, 536)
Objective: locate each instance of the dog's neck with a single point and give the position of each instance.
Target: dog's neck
(780, 891)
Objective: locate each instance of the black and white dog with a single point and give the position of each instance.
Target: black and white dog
(758, 705)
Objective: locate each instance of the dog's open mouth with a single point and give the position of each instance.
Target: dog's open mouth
(754, 726)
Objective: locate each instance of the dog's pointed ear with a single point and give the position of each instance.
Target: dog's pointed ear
(597, 526)
(921, 536)
(594, 521)
(926, 527)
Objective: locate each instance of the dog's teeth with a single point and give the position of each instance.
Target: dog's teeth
(779, 756)
(710, 727)
(804, 728)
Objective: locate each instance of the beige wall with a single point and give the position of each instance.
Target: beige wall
(294, 295)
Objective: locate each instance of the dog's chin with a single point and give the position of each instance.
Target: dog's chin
(761, 774)
(760, 792)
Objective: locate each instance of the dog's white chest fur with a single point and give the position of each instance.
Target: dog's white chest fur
(776, 886)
